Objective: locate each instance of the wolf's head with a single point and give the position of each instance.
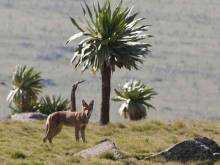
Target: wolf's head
(87, 108)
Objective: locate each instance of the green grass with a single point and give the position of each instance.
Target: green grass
(21, 142)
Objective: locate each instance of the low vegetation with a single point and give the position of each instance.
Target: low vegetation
(21, 142)
(27, 85)
(48, 105)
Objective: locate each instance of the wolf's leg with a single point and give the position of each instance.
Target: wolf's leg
(48, 128)
(57, 130)
(45, 136)
(45, 139)
(50, 135)
(77, 133)
(54, 131)
(50, 140)
(46, 133)
(82, 131)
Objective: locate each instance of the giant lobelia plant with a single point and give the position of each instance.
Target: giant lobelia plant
(26, 86)
(136, 97)
(111, 37)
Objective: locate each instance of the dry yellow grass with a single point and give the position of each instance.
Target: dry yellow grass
(21, 142)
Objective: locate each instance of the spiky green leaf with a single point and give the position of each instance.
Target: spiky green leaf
(75, 36)
(114, 35)
(135, 92)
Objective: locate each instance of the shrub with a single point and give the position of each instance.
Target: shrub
(18, 155)
(48, 105)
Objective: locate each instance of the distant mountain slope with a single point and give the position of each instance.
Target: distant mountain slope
(184, 66)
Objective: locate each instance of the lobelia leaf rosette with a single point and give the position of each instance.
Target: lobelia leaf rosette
(136, 99)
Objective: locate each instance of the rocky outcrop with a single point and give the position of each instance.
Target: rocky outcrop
(201, 148)
(198, 149)
(213, 146)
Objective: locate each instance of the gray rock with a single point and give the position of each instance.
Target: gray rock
(31, 116)
(105, 146)
(188, 150)
(213, 146)
(2, 83)
(201, 148)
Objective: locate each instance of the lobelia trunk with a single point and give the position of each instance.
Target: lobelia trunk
(106, 90)
(24, 104)
(73, 100)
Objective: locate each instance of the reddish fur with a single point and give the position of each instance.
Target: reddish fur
(79, 120)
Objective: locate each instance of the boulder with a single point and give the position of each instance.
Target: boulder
(213, 146)
(201, 148)
(103, 147)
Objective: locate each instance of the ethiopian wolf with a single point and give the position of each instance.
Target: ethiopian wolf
(79, 120)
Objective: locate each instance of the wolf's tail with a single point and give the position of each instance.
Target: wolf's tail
(47, 127)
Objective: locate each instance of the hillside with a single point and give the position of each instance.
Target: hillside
(21, 142)
(184, 66)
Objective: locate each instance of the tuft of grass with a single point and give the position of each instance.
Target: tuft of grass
(136, 139)
(146, 127)
(178, 125)
(107, 155)
(121, 126)
(18, 155)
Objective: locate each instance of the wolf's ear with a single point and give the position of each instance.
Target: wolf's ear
(84, 104)
(91, 104)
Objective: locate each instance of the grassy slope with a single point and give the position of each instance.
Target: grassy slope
(184, 66)
(21, 142)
